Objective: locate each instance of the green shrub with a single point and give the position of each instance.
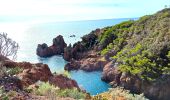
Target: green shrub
(99, 97)
(45, 89)
(14, 71)
(165, 14)
(120, 92)
(3, 95)
(66, 74)
(73, 93)
(52, 92)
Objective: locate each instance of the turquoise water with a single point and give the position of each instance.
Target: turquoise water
(90, 81)
(29, 36)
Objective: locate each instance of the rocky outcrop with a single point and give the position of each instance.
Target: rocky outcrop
(63, 82)
(88, 63)
(110, 73)
(157, 90)
(68, 53)
(57, 48)
(44, 51)
(75, 52)
(34, 73)
(79, 49)
(39, 72)
(72, 65)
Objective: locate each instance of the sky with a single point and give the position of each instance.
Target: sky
(68, 10)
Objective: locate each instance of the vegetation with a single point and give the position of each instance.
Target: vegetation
(14, 71)
(8, 47)
(6, 95)
(140, 47)
(52, 92)
(3, 94)
(73, 93)
(9, 71)
(114, 37)
(119, 94)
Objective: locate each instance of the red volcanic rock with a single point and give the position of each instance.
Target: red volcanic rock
(34, 73)
(59, 45)
(92, 64)
(89, 63)
(9, 64)
(110, 73)
(44, 51)
(155, 90)
(57, 48)
(73, 65)
(68, 53)
(63, 82)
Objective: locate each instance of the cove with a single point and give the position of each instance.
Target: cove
(89, 81)
(29, 36)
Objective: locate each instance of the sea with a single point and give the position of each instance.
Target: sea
(29, 35)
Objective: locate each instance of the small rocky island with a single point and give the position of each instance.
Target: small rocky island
(134, 55)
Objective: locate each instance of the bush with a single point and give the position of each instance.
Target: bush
(45, 89)
(3, 95)
(73, 93)
(14, 71)
(52, 92)
(122, 93)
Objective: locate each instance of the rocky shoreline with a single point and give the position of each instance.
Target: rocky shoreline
(86, 55)
(33, 73)
(29, 76)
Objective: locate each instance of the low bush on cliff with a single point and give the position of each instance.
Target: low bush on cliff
(52, 92)
(3, 94)
(73, 93)
(9, 71)
(113, 37)
(14, 71)
(122, 93)
(6, 95)
(119, 94)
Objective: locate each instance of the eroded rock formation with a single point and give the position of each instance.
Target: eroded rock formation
(57, 48)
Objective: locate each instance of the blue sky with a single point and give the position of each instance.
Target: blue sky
(63, 10)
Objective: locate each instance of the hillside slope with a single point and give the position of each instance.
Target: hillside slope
(133, 54)
(140, 47)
